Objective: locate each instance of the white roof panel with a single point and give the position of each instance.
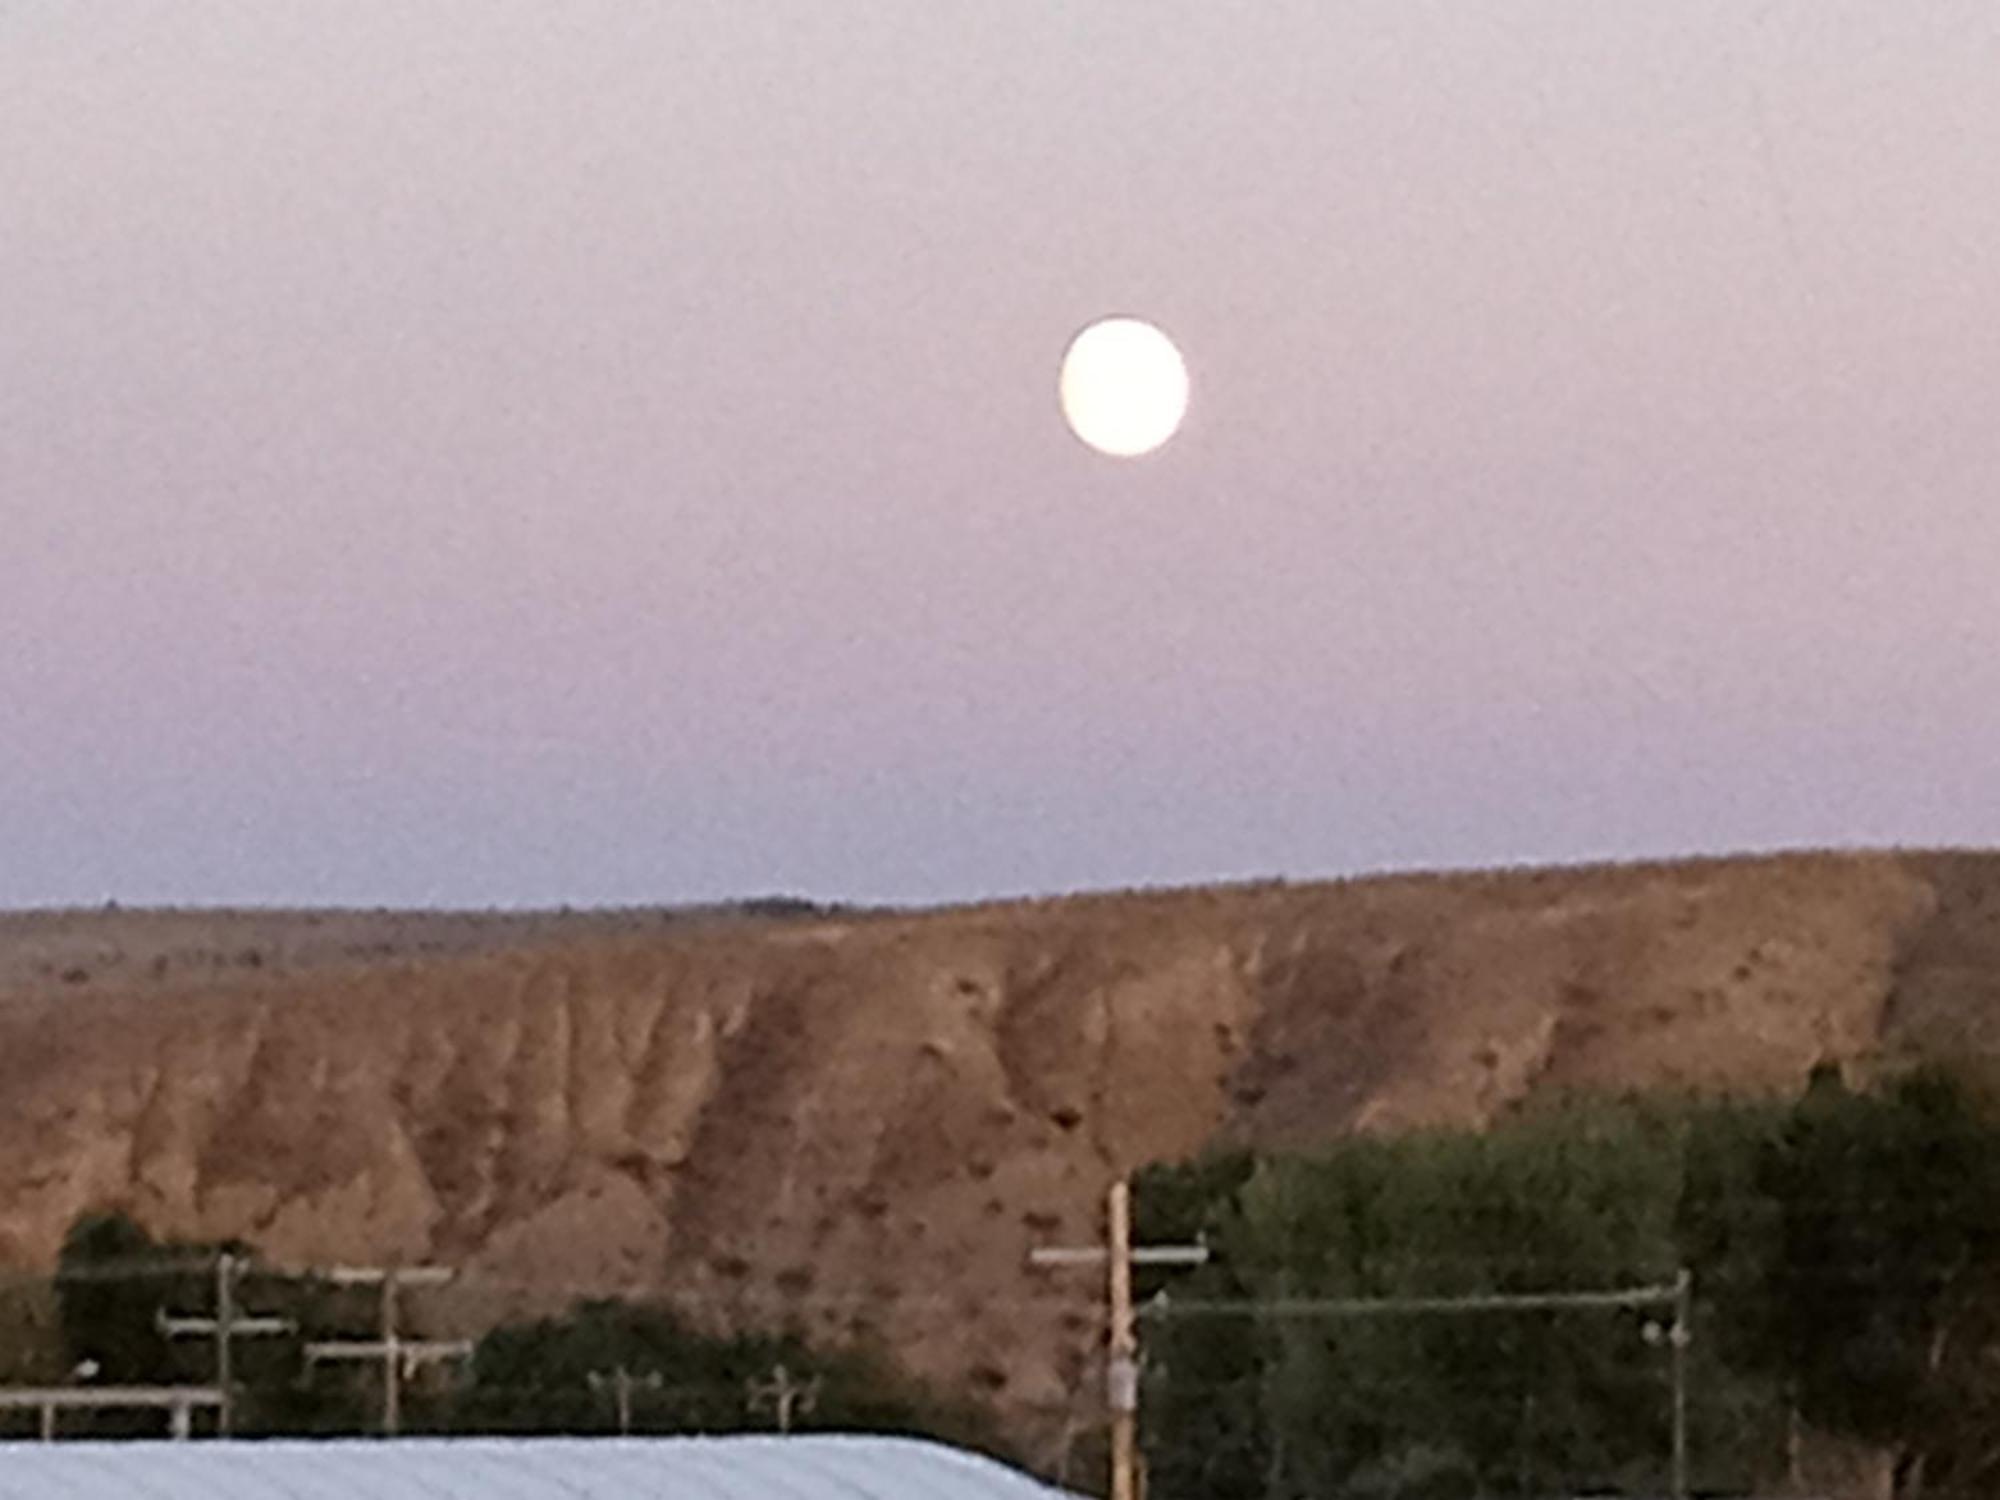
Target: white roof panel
(718, 1468)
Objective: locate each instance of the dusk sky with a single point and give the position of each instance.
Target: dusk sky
(516, 452)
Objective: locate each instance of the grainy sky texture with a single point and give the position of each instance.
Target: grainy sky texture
(524, 452)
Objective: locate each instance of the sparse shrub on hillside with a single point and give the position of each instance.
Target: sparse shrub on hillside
(783, 908)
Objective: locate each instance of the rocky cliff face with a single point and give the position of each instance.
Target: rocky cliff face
(865, 1123)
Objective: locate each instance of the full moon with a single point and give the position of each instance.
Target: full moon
(1124, 387)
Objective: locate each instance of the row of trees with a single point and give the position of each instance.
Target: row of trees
(606, 1366)
(1845, 1250)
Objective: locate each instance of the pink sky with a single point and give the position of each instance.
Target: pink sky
(509, 452)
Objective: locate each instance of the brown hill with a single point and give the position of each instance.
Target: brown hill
(865, 1122)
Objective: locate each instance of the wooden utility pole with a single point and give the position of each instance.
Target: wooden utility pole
(1679, 1336)
(225, 1327)
(400, 1357)
(1121, 1374)
(1122, 1383)
(782, 1395)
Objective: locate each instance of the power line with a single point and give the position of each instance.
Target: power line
(1163, 1306)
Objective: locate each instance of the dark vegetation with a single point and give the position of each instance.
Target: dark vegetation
(1845, 1251)
(561, 1375)
(605, 1367)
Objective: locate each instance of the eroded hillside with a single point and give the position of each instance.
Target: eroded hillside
(867, 1122)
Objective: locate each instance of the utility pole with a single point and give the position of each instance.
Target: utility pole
(400, 1357)
(781, 1395)
(1679, 1336)
(621, 1382)
(1121, 1376)
(1123, 1382)
(225, 1327)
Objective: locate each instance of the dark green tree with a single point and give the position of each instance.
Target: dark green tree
(1887, 1263)
(111, 1280)
(1576, 1198)
(1206, 1385)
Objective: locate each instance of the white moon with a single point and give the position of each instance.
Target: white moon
(1124, 387)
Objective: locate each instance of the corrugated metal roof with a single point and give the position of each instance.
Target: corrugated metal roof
(719, 1468)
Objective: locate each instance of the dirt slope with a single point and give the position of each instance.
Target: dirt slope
(866, 1122)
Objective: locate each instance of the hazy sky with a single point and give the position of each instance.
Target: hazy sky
(523, 452)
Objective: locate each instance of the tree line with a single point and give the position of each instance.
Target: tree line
(605, 1366)
(1844, 1249)
(1845, 1255)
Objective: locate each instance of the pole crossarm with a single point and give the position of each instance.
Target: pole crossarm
(184, 1328)
(178, 1401)
(158, 1397)
(1051, 1256)
(408, 1352)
